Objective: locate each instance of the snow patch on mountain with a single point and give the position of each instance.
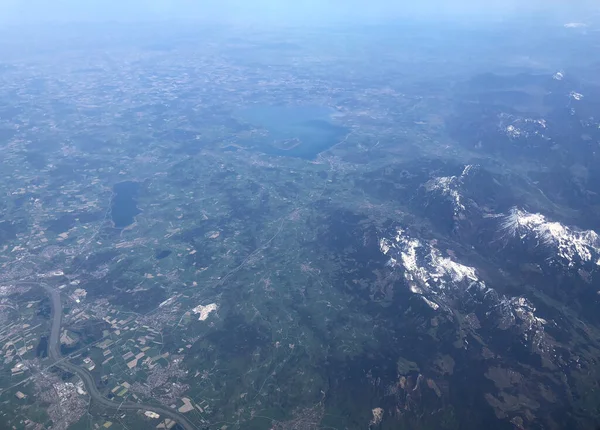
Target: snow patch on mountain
(575, 95)
(571, 245)
(520, 312)
(426, 270)
(517, 127)
(449, 186)
(445, 284)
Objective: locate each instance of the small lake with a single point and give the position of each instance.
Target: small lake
(294, 131)
(124, 203)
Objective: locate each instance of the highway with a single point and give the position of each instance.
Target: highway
(86, 377)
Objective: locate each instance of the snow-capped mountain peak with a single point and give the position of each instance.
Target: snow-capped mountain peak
(445, 284)
(449, 186)
(569, 244)
(427, 272)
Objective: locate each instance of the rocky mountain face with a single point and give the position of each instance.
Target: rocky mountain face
(499, 260)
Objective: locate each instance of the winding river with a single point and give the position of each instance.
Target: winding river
(86, 377)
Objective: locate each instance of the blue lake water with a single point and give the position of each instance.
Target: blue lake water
(294, 131)
(124, 203)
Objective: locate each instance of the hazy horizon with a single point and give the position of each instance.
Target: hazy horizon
(18, 12)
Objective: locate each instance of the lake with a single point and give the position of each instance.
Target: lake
(294, 131)
(124, 203)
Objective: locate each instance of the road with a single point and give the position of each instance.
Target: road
(86, 377)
